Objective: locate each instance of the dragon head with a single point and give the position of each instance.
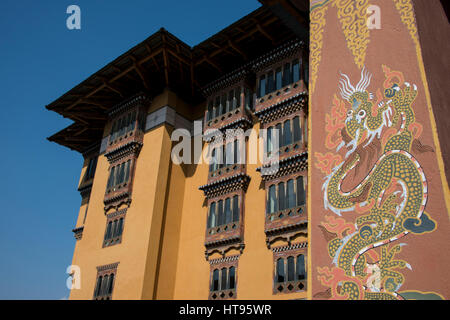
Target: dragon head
(360, 112)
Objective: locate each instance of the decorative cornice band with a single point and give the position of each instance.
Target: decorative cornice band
(226, 259)
(287, 228)
(85, 190)
(226, 185)
(128, 103)
(116, 213)
(226, 81)
(119, 197)
(241, 123)
(291, 247)
(222, 242)
(282, 108)
(78, 232)
(123, 151)
(295, 163)
(284, 51)
(110, 266)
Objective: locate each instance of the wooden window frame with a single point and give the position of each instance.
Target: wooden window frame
(220, 264)
(111, 218)
(102, 271)
(289, 286)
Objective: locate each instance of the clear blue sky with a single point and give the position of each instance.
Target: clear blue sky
(40, 59)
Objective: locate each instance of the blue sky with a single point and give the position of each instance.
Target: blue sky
(40, 59)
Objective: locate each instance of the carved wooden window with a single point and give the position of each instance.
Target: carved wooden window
(90, 170)
(285, 195)
(104, 286)
(223, 103)
(280, 76)
(227, 157)
(290, 271)
(119, 176)
(223, 213)
(287, 133)
(114, 228)
(223, 282)
(122, 126)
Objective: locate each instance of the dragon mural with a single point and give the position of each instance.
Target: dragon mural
(373, 142)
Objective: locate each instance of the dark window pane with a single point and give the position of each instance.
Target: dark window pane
(280, 135)
(280, 270)
(231, 277)
(227, 210)
(108, 231)
(220, 213)
(295, 71)
(120, 227)
(114, 229)
(127, 170)
(218, 111)
(270, 83)
(300, 269)
(272, 207)
(98, 286)
(129, 122)
(104, 287)
(248, 99)
(237, 98)
(111, 283)
(297, 131)
(300, 191)
(111, 177)
(210, 111)
(278, 79)
(230, 103)
(290, 268)
(223, 104)
(133, 120)
(290, 194)
(269, 140)
(215, 282)
(281, 196)
(262, 87)
(287, 133)
(212, 215)
(236, 208)
(287, 79)
(223, 282)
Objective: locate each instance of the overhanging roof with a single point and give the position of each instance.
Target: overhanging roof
(164, 61)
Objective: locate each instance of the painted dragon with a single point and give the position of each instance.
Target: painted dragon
(392, 195)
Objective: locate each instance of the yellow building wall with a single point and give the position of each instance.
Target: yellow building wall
(162, 253)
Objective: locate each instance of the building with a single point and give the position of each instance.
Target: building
(257, 227)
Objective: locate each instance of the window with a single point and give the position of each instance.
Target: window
(90, 170)
(118, 176)
(223, 212)
(290, 272)
(122, 126)
(272, 200)
(114, 228)
(295, 71)
(285, 195)
(223, 103)
(262, 87)
(278, 79)
(288, 132)
(104, 285)
(223, 282)
(284, 75)
(215, 281)
(300, 191)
